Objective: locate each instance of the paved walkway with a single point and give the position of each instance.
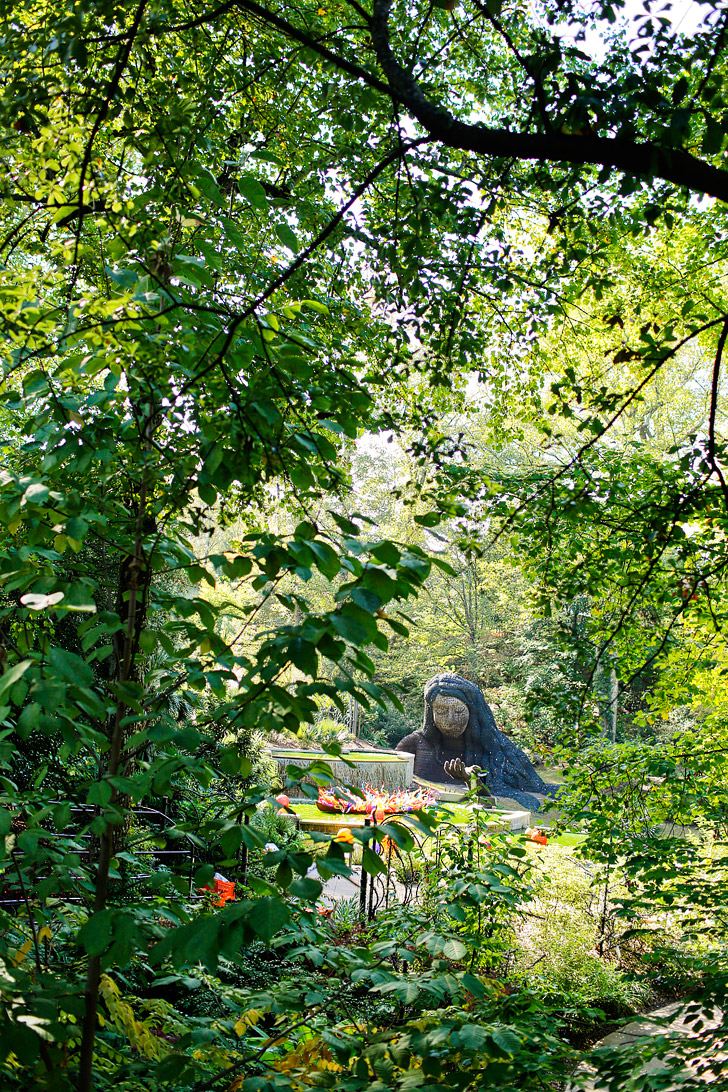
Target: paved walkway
(340, 888)
(665, 1021)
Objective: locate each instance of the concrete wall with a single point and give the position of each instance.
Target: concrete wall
(376, 768)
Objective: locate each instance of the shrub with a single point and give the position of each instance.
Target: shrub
(556, 943)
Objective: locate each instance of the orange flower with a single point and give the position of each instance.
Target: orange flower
(283, 800)
(345, 835)
(533, 834)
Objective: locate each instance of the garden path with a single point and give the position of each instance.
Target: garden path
(340, 888)
(670, 1019)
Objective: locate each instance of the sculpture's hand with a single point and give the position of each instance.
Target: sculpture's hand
(457, 769)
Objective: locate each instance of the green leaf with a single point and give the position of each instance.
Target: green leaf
(429, 519)
(680, 90)
(314, 305)
(303, 655)
(326, 559)
(349, 628)
(204, 876)
(76, 528)
(366, 599)
(306, 888)
(265, 408)
(507, 1040)
(207, 493)
(331, 648)
(473, 985)
(62, 816)
(287, 237)
(399, 834)
(173, 1069)
(454, 949)
(95, 936)
(99, 793)
(148, 640)
(71, 667)
(252, 191)
(233, 763)
(268, 917)
(713, 137)
(284, 875)
(37, 493)
(372, 862)
(471, 1037)
(406, 992)
(78, 600)
(11, 676)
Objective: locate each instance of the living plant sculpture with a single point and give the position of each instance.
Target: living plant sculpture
(459, 738)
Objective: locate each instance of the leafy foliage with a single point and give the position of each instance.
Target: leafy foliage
(234, 243)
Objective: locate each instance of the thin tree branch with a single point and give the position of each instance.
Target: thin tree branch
(311, 43)
(119, 68)
(661, 361)
(712, 458)
(93, 973)
(31, 916)
(301, 258)
(720, 43)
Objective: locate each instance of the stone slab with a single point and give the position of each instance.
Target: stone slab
(669, 1019)
(517, 820)
(342, 888)
(447, 794)
(334, 825)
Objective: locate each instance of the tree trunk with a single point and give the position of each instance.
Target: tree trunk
(608, 689)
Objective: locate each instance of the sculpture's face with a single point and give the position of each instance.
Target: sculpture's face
(450, 715)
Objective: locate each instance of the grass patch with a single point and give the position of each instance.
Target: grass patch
(569, 838)
(456, 814)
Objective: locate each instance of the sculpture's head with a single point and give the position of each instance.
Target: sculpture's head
(450, 714)
(455, 708)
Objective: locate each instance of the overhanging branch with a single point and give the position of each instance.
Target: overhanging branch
(638, 158)
(641, 159)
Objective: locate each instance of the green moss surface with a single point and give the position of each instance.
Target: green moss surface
(357, 757)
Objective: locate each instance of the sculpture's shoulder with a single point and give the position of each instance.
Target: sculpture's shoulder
(411, 742)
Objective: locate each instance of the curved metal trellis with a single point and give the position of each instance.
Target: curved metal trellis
(405, 870)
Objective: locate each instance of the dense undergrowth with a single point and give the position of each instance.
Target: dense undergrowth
(509, 960)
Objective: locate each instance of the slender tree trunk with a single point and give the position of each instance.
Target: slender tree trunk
(137, 583)
(608, 687)
(353, 717)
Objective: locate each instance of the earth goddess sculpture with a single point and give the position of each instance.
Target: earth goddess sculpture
(459, 733)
